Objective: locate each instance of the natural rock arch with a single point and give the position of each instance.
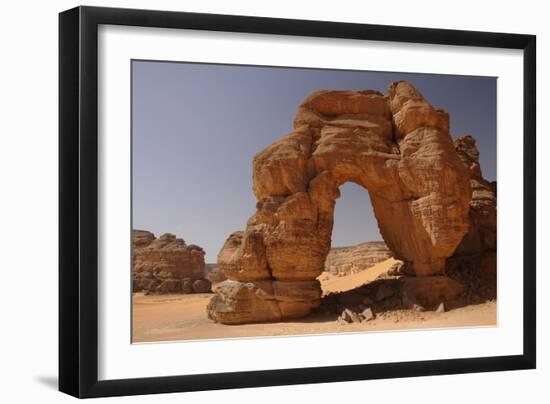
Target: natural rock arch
(396, 146)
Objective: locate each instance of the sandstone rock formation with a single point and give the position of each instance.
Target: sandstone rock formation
(391, 293)
(214, 273)
(474, 261)
(397, 146)
(167, 265)
(227, 258)
(343, 261)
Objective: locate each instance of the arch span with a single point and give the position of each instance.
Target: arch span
(396, 146)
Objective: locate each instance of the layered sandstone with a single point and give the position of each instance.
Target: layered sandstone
(167, 265)
(227, 257)
(397, 146)
(474, 261)
(342, 261)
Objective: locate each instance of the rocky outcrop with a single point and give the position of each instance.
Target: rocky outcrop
(342, 261)
(167, 265)
(483, 213)
(474, 261)
(393, 293)
(226, 257)
(141, 239)
(214, 273)
(397, 146)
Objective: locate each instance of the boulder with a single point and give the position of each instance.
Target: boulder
(368, 314)
(244, 302)
(228, 259)
(349, 316)
(187, 286)
(238, 302)
(202, 286)
(168, 286)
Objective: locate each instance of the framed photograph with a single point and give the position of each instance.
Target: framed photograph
(251, 201)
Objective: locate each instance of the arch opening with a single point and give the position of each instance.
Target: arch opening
(357, 254)
(354, 219)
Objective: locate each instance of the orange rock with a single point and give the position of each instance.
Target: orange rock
(228, 257)
(160, 265)
(474, 260)
(397, 147)
(243, 302)
(239, 302)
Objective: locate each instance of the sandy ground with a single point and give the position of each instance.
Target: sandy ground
(331, 283)
(183, 317)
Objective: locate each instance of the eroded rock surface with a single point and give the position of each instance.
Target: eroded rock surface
(342, 261)
(214, 273)
(167, 265)
(395, 293)
(397, 146)
(474, 261)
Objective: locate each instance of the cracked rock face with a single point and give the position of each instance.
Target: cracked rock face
(475, 259)
(483, 206)
(167, 265)
(396, 146)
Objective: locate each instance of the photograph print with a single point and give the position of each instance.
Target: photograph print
(284, 201)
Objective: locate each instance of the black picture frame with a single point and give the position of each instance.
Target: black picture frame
(78, 201)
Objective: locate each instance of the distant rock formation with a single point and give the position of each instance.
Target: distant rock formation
(214, 273)
(167, 265)
(397, 146)
(342, 261)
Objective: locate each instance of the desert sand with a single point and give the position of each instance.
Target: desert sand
(183, 317)
(334, 283)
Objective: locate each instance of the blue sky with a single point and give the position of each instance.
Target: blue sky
(196, 128)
